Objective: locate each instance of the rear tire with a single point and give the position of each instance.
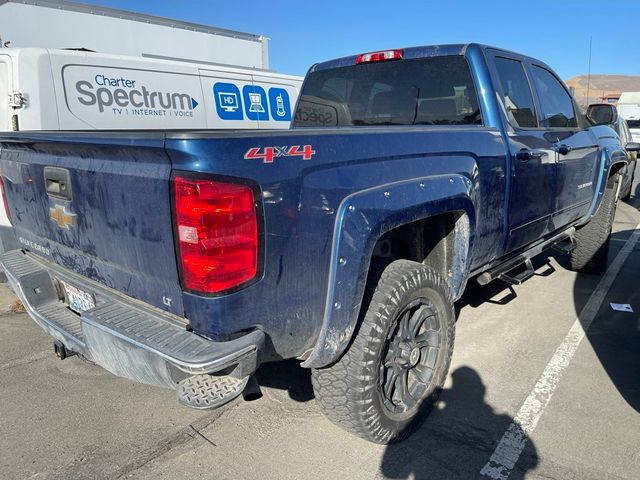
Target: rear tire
(592, 240)
(392, 373)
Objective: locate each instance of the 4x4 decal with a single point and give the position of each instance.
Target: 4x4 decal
(268, 154)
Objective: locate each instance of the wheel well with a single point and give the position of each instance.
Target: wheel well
(615, 168)
(440, 241)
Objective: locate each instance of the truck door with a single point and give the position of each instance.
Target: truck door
(574, 143)
(533, 169)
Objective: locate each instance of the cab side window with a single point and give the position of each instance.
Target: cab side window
(555, 102)
(518, 100)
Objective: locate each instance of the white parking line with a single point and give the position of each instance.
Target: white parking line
(508, 451)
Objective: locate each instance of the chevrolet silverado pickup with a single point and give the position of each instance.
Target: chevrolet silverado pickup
(185, 259)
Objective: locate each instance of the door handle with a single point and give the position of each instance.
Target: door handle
(563, 149)
(526, 155)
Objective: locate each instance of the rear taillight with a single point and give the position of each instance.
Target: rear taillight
(217, 231)
(383, 56)
(4, 199)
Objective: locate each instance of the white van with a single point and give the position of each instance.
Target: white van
(629, 109)
(43, 89)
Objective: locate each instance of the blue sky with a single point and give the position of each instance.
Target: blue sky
(303, 33)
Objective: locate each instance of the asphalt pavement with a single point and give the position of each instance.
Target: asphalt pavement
(72, 420)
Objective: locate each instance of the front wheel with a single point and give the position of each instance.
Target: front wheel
(392, 373)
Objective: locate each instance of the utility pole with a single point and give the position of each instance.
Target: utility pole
(589, 72)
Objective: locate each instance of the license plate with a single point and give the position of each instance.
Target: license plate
(78, 300)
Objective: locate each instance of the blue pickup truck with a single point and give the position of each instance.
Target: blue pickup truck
(185, 259)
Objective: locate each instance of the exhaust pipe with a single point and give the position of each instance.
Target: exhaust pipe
(61, 351)
(252, 391)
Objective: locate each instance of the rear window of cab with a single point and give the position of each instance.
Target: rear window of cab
(424, 91)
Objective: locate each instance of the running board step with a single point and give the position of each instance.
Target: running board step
(565, 247)
(520, 277)
(502, 270)
(204, 392)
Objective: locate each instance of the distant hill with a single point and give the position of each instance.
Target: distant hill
(601, 85)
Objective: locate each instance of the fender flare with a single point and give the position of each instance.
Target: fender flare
(362, 218)
(611, 159)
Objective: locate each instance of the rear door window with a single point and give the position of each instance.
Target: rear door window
(518, 101)
(555, 102)
(426, 91)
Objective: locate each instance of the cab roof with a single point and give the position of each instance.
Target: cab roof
(424, 51)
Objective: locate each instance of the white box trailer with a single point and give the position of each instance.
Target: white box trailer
(60, 24)
(44, 89)
(629, 109)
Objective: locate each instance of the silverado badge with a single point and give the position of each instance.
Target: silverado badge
(62, 217)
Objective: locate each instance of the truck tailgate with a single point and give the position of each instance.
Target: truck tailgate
(97, 204)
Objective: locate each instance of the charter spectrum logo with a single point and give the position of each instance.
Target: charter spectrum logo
(128, 94)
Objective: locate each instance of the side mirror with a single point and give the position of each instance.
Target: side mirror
(632, 147)
(602, 114)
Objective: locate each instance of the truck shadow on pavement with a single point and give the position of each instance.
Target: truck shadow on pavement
(457, 439)
(614, 335)
(454, 442)
(287, 375)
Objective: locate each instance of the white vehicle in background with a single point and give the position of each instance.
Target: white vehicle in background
(634, 128)
(45, 89)
(62, 24)
(629, 109)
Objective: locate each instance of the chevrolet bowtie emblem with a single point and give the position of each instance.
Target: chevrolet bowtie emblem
(62, 217)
